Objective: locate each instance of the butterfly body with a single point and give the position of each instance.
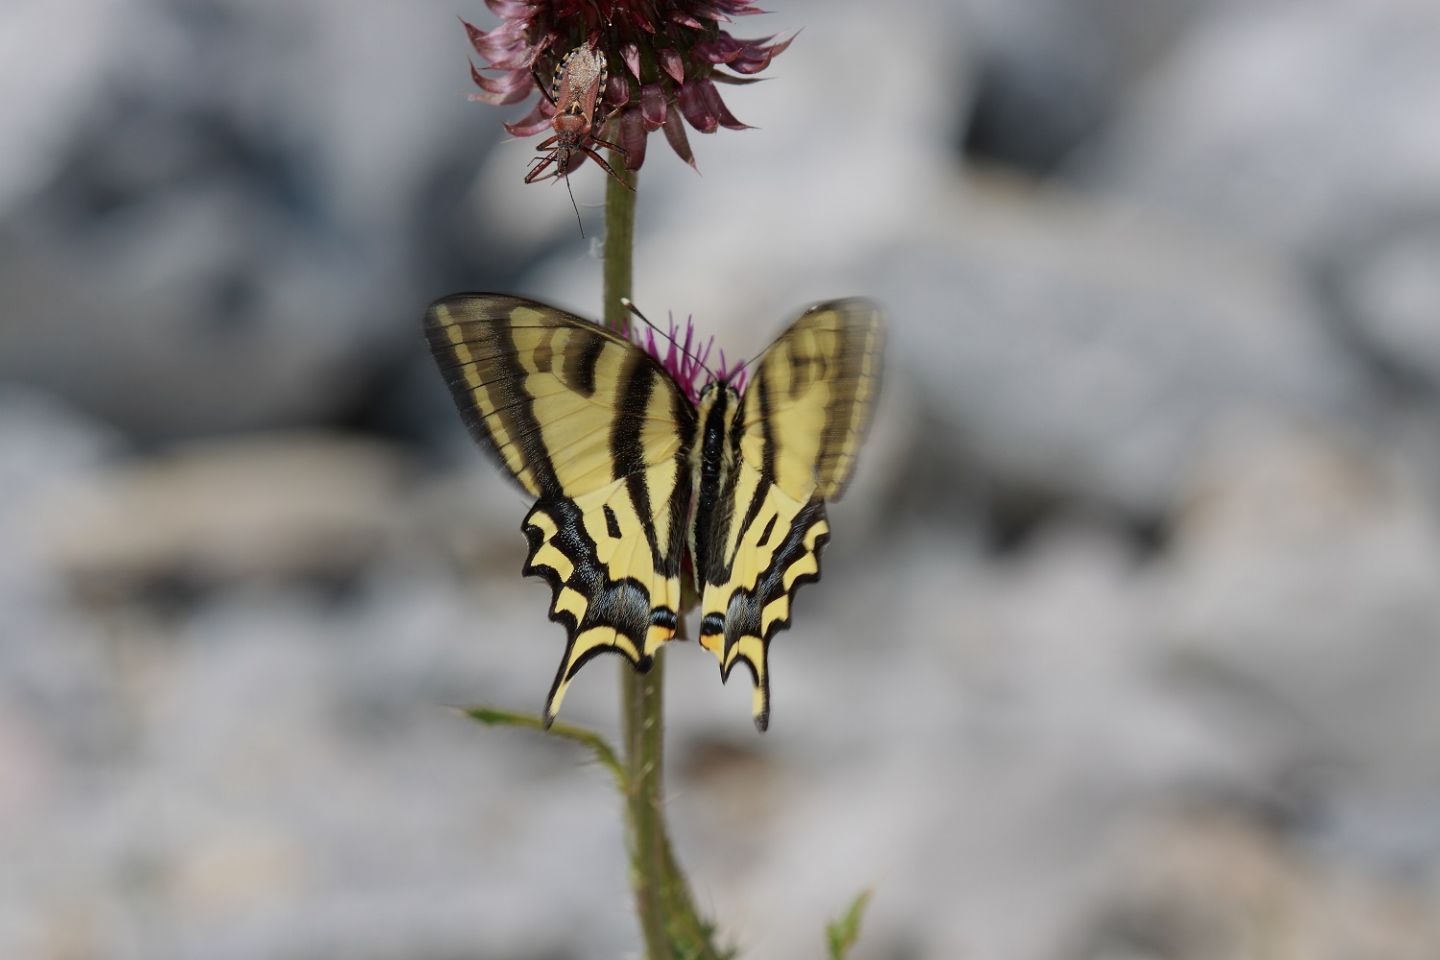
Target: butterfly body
(630, 477)
(714, 463)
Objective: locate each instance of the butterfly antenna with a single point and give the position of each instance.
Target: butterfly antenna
(745, 367)
(683, 348)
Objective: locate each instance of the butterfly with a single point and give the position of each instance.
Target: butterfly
(633, 472)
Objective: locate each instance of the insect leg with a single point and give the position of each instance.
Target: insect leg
(606, 167)
(613, 146)
(539, 167)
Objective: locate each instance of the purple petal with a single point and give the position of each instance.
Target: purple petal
(475, 35)
(685, 20)
(778, 48)
(534, 121)
(521, 58)
(632, 137)
(736, 376)
(755, 59)
(754, 43)
(697, 110)
(717, 107)
(652, 105)
(631, 55)
(498, 42)
(617, 91)
(500, 100)
(501, 85)
(672, 64)
(510, 9)
(719, 77)
(675, 133)
(722, 49)
(749, 65)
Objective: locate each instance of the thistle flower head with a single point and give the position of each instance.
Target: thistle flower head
(687, 360)
(665, 58)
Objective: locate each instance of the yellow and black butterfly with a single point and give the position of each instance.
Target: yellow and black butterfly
(631, 475)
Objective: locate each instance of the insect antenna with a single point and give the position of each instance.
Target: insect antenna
(629, 305)
(575, 205)
(741, 369)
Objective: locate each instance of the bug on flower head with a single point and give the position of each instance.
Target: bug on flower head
(576, 91)
(668, 61)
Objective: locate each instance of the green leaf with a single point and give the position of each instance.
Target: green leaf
(842, 934)
(588, 738)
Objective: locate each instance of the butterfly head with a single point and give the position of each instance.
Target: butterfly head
(716, 406)
(716, 390)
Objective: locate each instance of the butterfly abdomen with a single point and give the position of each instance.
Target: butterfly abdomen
(714, 457)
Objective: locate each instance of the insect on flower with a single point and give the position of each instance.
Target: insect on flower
(668, 58)
(576, 91)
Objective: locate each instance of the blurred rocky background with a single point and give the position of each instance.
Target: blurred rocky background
(1129, 645)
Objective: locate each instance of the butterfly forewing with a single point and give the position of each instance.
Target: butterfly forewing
(593, 428)
(796, 433)
(820, 381)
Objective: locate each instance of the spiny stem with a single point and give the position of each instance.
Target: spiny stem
(640, 694)
(669, 923)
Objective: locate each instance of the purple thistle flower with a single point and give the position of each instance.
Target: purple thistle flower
(673, 54)
(686, 360)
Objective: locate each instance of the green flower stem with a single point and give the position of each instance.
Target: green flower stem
(619, 244)
(671, 926)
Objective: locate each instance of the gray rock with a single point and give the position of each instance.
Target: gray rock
(1049, 74)
(276, 508)
(1380, 284)
(1068, 352)
(1202, 887)
(204, 230)
(1282, 123)
(1301, 610)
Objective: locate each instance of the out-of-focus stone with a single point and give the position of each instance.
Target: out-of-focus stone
(1380, 282)
(1283, 123)
(1204, 887)
(1050, 73)
(1301, 606)
(1063, 351)
(211, 224)
(269, 507)
(473, 515)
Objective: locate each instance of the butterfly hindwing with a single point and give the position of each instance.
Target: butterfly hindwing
(750, 584)
(593, 428)
(795, 435)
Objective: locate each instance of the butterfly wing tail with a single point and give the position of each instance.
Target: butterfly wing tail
(738, 622)
(631, 615)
